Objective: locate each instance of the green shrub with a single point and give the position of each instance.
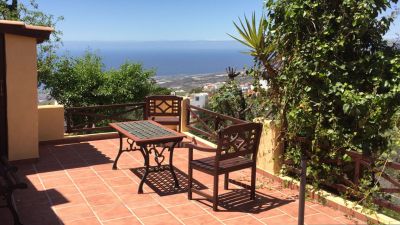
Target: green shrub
(336, 82)
(82, 81)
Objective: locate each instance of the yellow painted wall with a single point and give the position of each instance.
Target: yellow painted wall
(22, 111)
(51, 122)
(270, 151)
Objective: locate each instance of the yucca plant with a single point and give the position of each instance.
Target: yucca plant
(232, 74)
(253, 35)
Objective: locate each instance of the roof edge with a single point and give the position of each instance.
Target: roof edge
(41, 33)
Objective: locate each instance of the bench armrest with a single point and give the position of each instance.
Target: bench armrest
(200, 148)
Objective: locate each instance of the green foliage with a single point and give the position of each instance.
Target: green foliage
(340, 80)
(342, 84)
(337, 82)
(30, 14)
(253, 36)
(196, 90)
(229, 100)
(266, 65)
(82, 81)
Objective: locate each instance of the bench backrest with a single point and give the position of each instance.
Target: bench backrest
(163, 105)
(239, 140)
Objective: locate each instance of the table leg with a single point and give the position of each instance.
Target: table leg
(119, 152)
(147, 168)
(171, 166)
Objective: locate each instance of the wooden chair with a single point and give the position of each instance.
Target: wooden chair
(235, 144)
(164, 109)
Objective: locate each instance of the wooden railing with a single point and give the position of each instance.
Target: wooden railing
(387, 178)
(91, 119)
(206, 123)
(386, 175)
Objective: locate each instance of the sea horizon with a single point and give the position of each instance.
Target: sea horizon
(167, 58)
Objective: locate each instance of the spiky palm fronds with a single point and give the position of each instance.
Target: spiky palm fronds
(253, 35)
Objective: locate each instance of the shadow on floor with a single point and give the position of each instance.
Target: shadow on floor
(163, 184)
(238, 200)
(33, 204)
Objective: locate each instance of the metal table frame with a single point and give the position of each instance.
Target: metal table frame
(150, 135)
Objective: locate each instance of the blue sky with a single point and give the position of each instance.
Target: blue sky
(153, 20)
(148, 20)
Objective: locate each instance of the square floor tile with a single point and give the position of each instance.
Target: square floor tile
(186, 211)
(123, 221)
(165, 219)
(74, 212)
(149, 211)
(112, 211)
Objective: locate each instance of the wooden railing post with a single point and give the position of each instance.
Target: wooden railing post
(216, 123)
(185, 114)
(356, 179)
(68, 120)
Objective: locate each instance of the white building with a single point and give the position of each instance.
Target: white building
(199, 99)
(263, 85)
(246, 87)
(212, 87)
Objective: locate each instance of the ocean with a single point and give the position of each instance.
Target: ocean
(168, 58)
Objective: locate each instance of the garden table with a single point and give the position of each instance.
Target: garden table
(145, 136)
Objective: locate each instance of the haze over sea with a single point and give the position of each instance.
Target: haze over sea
(168, 58)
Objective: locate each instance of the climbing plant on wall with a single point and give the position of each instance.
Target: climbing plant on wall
(338, 82)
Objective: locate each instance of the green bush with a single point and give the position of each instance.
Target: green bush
(336, 81)
(82, 81)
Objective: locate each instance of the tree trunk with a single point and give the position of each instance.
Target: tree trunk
(14, 5)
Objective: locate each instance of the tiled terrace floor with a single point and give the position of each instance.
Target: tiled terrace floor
(74, 184)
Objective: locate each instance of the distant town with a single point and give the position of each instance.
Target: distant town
(200, 88)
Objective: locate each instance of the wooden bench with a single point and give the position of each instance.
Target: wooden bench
(164, 109)
(9, 182)
(236, 150)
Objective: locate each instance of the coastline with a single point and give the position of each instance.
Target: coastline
(178, 82)
(188, 82)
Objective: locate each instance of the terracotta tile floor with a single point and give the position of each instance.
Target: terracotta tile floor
(74, 184)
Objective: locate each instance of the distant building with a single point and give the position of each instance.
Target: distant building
(246, 88)
(212, 87)
(209, 87)
(199, 99)
(263, 85)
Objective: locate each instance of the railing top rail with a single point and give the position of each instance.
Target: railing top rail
(394, 165)
(96, 117)
(233, 119)
(359, 156)
(106, 106)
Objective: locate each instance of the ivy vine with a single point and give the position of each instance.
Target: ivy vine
(336, 81)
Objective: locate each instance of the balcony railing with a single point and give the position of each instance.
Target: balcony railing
(91, 119)
(387, 176)
(207, 123)
(387, 179)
